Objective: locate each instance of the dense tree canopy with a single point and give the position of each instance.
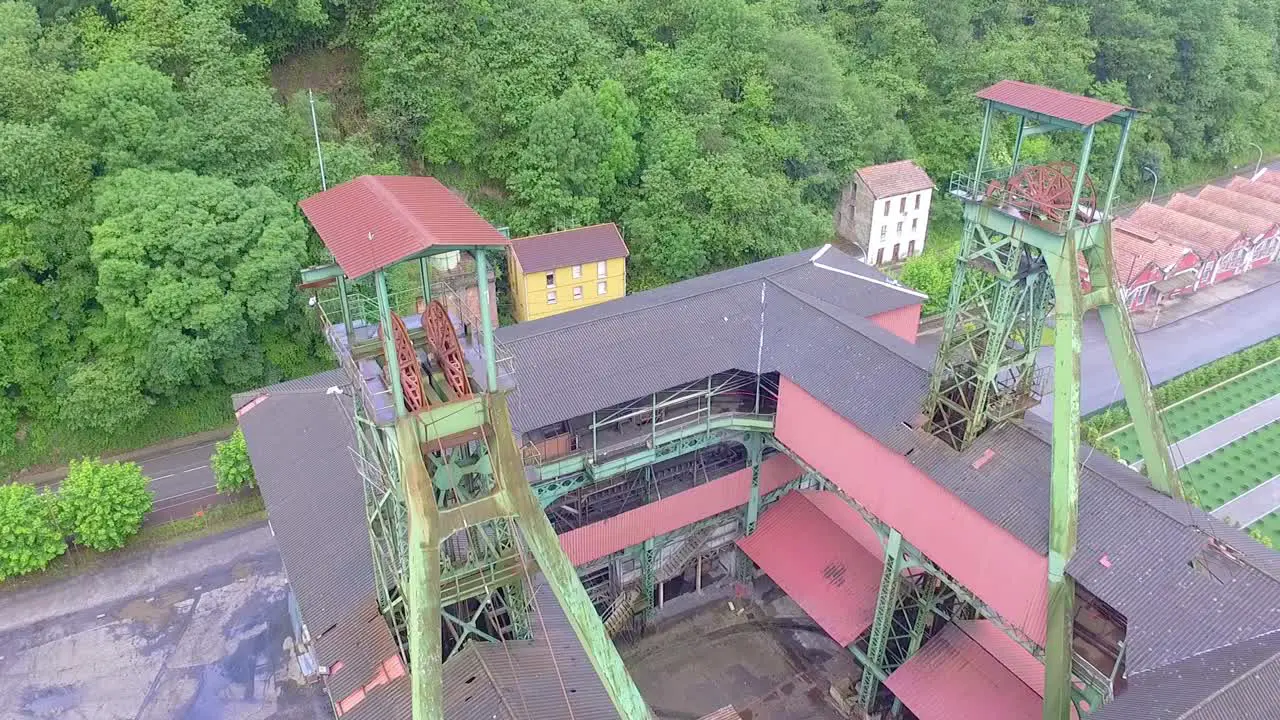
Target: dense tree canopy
(148, 169)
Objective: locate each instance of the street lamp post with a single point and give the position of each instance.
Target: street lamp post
(1155, 181)
(1258, 165)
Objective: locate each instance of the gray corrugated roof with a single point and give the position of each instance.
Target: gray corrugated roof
(299, 438)
(309, 383)
(1240, 682)
(627, 348)
(879, 382)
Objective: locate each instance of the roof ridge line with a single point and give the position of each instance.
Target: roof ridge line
(557, 232)
(1234, 681)
(797, 294)
(892, 286)
(401, 211)
(682, 298)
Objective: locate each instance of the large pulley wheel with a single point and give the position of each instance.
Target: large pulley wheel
(1046, 190)
(442, 338)
(407, 360)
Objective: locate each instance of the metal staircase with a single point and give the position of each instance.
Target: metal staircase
(624, 606)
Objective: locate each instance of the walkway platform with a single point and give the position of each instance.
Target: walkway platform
(824, 569)
(1254, 505)
(1225, 432)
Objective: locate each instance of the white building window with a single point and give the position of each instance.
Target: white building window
(551, 279)
(886, 208)
(577, 293)
(602, 288)
(902, 205)
(899, 228)
(918, 200)
(915, 222)
(577, 271)
(884, 230)
(602, 269)
(551, 297)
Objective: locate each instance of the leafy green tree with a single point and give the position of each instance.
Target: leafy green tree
(102, 504)
(127, 112)
(29, 533)
(188, 269)
(231, 465)
(41, 169)
(104, 395)
(931, 273)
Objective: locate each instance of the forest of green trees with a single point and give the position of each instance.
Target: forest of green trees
(150, 170)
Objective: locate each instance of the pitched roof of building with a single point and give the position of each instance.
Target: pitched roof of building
(895, 178)
(1053, 103)
(1263, 190)
(1228, 217)
(579, 246)
(1133, 248)
(1244, 203)
(719, 315)
(375, 221)
(1268, 176)
(1194, 232)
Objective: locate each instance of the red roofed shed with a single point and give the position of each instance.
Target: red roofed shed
(378, 220)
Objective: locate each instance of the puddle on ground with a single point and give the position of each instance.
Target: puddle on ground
(153, 613)
(50, 702)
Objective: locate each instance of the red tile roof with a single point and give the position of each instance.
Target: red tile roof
(579, 246)
(594, 541)
(1048, 101)
(1269, 176)
(1134, 248)
(1264, 191)
(1228, 217)
(1240, 201)
(1189, 230)
(829, 575)
(895, 178)
(377, 220)
(954, 678)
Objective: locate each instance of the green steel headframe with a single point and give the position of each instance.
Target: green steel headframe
(1018, 259)
(451, 515)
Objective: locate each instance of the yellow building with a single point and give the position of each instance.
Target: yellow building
(567, 270)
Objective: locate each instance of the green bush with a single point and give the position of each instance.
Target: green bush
(1186, 385)
(103, 504)
(29, 533)
(231, 466)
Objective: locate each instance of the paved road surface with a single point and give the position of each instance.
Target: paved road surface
(1173, 349)
(1254, 505)
(1225, 432)
(181, 481)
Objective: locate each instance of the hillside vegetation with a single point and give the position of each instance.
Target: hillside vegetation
(149, 173)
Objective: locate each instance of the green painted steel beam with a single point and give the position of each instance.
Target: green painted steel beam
(1064, 490)
(424, 616)
(391, 362)
(424, 271)
(321, 273)
(755, 449)
(886, 604)
(486, 321)
(441, 421)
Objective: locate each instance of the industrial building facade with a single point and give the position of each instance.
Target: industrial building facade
(774, 423)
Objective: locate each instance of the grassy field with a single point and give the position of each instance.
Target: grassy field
(1195, 414)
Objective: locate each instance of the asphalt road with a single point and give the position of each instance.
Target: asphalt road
(1173, 349)
(181, 481)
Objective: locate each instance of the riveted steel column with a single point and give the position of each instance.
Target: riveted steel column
(346, 311)
(423, 268)
(486, 322)
(886, 603)
(392, 364)
(425, 649)
(755, 450)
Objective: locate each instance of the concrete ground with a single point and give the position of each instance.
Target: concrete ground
(764, 657)
(198, 632)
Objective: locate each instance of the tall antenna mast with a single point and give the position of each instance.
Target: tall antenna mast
(315, 130)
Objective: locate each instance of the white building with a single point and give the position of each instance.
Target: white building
(884, 212)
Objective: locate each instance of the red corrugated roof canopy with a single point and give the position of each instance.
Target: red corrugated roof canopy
(818, 565)
(377, 220)
(1053, 103)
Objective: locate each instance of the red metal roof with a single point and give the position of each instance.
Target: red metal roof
(895, 178)
(377, 220)
(594, 541)
(1192, 231)
(580, 246)
(982, 556)
(1015, 658)
(1269, 176)
(1048, 101)
(828, 573)
(1133, 248)
(954, 678)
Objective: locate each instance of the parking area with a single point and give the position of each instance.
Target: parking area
(212, 645)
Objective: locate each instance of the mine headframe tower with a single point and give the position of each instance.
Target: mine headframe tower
(1038, 237)
(450, 511)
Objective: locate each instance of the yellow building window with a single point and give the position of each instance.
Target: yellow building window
(551, 279)
(577, 293)
(551, 297)
(602, 287)
(602, 269)
(577, 271)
